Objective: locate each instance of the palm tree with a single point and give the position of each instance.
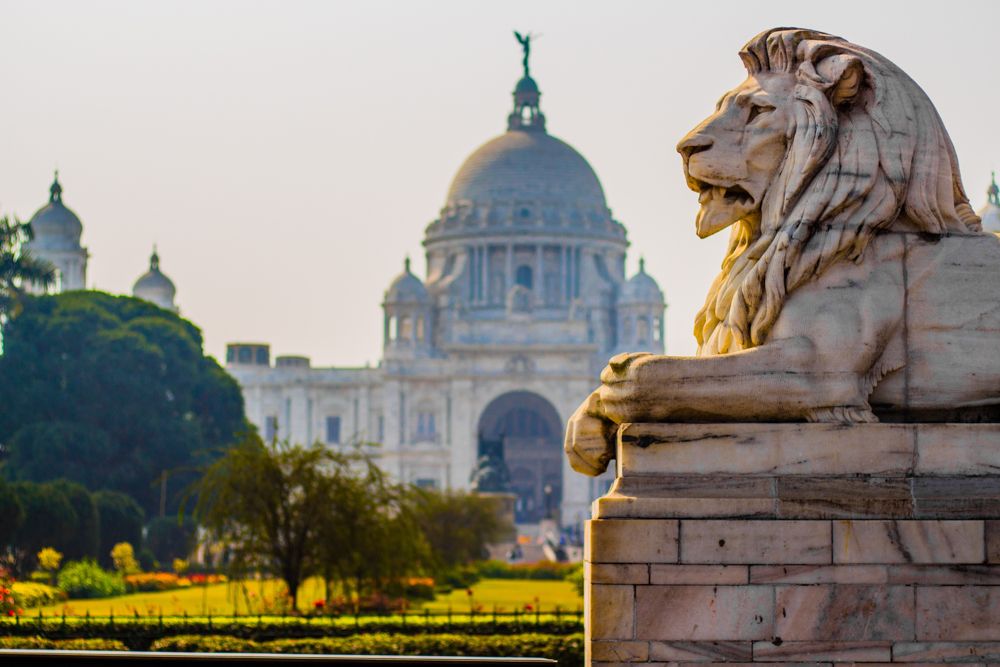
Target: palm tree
(18, 267)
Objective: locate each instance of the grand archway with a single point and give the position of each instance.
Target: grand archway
(524, 430)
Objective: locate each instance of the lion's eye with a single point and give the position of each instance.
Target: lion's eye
(756, 110)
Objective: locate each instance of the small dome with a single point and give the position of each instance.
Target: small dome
(526, 85)
(155, 287)
(990, 213)
(641, 288)
(54, 225)
(407, 288)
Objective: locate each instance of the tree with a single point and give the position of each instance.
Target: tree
(57, 449)
(120, 519)
(457, 526)
(264, 501)
(84, 539)
(48, 518)
(19, 267)
(11, 513)
(111, 392)
(170, 537)
(368, 537)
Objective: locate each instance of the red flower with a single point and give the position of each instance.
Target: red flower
(319, 604)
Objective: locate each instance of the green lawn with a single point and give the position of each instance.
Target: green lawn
(223, 599)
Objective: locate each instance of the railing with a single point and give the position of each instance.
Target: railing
(141, 658)
(535, 617)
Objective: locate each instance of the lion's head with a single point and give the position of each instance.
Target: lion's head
(822, 146)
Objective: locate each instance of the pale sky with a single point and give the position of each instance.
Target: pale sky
(286, 156)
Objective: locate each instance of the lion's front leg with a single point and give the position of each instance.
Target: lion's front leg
(590, 438)
(591, 431)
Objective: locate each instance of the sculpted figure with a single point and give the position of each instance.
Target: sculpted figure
(857, 285)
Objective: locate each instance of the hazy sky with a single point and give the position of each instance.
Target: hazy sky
(286, 156)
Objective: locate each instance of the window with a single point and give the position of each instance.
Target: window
(245, 355)
(333, 430)
(426, 428)
(425, 483)
(420, 329)
(405, 328)
(523, 276)
(642, 329)
(270, 428)
(393, 328)
(657, 329)
(380, 429)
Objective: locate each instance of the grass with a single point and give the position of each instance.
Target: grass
(225, 599)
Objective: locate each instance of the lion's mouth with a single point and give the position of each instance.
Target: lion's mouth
(734, 194)
(721, 205)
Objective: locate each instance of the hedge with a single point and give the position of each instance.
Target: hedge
(63, 644)
(138, 633)
(31, 594)
(566, 649)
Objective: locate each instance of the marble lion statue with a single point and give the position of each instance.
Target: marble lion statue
(857, 284)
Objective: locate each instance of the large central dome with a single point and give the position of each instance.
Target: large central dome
(526, 165)
(525, 182)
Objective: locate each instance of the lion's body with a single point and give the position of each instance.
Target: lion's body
(913, 330)
(857, 284)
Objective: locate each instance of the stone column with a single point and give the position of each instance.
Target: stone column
(797, 543)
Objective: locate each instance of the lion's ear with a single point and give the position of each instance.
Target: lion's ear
(845, 75)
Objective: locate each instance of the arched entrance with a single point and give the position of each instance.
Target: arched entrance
(524, 430)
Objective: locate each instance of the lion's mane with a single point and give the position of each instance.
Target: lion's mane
(851, 170)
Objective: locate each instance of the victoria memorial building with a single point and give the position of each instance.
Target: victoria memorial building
(524, 301)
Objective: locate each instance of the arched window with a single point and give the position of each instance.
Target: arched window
(405, 328)
(642, 329)
(393, 327)
(420, 329)
(523, 276)
(657, 329)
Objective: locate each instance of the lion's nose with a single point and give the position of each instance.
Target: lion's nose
(694, 143)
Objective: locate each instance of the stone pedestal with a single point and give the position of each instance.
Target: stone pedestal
(797, 543)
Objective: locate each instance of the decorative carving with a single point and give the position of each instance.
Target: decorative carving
(856, 282)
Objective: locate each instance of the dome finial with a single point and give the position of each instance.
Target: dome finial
(993, 192)
(642, 264)
(525, 42)
(526, 115)
(55, 190)
(154, 260)
(406, 265)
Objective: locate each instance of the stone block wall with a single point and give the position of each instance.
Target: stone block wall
(704, 567)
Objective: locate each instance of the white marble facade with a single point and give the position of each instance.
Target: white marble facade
(524, 300)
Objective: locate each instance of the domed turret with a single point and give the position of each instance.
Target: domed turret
(640, 313)
(641, 288)
(57, 232)
(990, 213)
(407, 288)
(155, 287)
(407, 309)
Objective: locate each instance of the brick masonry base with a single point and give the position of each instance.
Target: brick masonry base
(686, 567)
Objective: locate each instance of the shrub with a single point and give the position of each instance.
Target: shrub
(49, 559)
(152, 581)
(123, 556)
(547, 570)
(62, 644)
(86, 579)
(30, 594)
(566, 649)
